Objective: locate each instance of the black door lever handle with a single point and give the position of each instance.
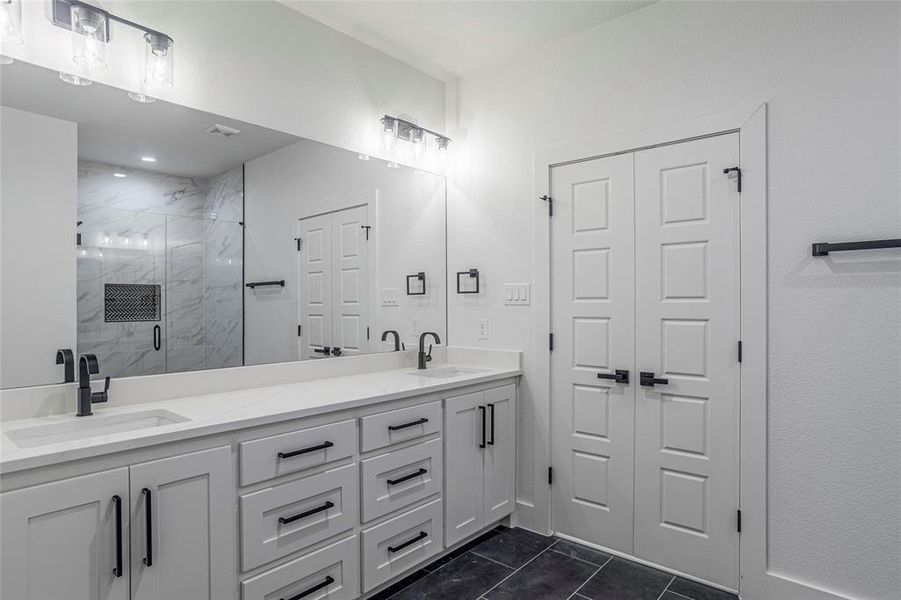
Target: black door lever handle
(648, 379)
(619, 376)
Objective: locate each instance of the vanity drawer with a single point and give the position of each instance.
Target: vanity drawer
(400, 425)
(285, 518)
(332, 572)
(398, 544)
(281, 454)
(395, 479)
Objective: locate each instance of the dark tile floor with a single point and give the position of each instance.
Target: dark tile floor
(515, 564)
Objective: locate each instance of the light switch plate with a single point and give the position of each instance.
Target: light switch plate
(390, 296)
(517, 294)
(483, 329)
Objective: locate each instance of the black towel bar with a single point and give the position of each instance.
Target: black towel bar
(255, 284)
(824, 248)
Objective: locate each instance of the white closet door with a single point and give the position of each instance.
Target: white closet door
(315, 286)
(350, 281)
(593, 304)
(687, 265)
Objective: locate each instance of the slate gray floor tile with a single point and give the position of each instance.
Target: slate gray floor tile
(624, 580)
(581, 552)
(391, 590)
(467, 577)
(463, 550)
(550, 576)
(698, 591)
(514, 547)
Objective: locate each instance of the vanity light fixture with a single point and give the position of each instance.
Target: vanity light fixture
(397, 128)
(11, 23)
(91, 27)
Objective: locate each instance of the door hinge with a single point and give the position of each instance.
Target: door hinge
(298, 240)
(739, 351)
(550, 204)
(737, 171)
(298, 330)
(550, 475)
(551, 342)
(738, 520)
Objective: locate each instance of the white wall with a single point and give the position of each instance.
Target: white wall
(38, 194)
(831, 75)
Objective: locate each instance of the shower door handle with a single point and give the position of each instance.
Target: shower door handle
(157, 338)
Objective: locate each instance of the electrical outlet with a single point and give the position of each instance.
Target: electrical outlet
(414, 326)
(483, 329)
(517, 294)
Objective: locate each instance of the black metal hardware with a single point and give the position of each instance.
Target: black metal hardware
(89, 365)
(482, 414)
(157, 338)
(148, 529)
(648, 379)
(65, 356)
(299, 329)
(367, 228)
(324, 350)
(550, 204)
(407, 477)
(737, 171)
(396, 335)
(491, 411)
(117, 570)
(550, 343)
(336, 351)
(256, 284)
(410, 424)
(329, 580)
(416, 277)
(740, 351)
(473, 274)
(298, 241)
(824, 248)
(367, 333)
(321, 446)
(422, 358)
(398, 548)
(305, 514)
(619, 376)
(738, 520)
(550, 475)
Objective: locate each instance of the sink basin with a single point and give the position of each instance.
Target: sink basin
(77, 428)
(445, 372)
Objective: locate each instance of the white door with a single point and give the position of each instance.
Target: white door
(463, 466)
(350, 281)
(593, 305)
(183, 517)
(60, 539)
(314, 298)
(687, 265)
(499, 454)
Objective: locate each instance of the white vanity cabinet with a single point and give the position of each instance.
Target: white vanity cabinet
(480, 460)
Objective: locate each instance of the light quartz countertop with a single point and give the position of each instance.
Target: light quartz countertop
(229, 411)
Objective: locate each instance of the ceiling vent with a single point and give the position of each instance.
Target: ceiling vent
(223, 131)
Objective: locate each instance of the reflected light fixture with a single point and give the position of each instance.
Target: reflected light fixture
(395, 128)
(158, 59)
(142, 98)
(148, 159)
(11, 23)
(73, 79)
(363, 156)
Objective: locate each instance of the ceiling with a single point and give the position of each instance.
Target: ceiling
(453, 39)
(115, 130)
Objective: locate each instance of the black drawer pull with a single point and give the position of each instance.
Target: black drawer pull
(407, 477)
(303, 515)
(321, 446)
(325, 583)
(117, 571)
(393, 549)
(410, 424)
(148, 529)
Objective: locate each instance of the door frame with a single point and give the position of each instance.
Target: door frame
(756, 580)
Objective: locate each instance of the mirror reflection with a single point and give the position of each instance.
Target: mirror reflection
(202, 242)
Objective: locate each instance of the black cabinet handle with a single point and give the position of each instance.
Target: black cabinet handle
(482, 416)
(648, 379)
(324, 350)
(148, 528)
(407, 477)
(325, 583)
(393, 549)
(117, 501)
(491, 410)
(305, 514)
(619, 376)
(157, 338)
(321, 446)
(410, 424)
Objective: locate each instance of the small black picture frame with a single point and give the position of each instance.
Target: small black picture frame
(472, 274)
(416, 289)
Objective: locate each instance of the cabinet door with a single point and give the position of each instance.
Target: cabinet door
(60, 539)
(500, 454)
(463, 466)
(183, 515)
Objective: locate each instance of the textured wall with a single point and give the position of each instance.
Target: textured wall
(831, 75)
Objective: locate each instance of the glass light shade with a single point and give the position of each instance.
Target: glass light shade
(73, 79)
(442, 143)
(158, 61)
(89, 28)
(11, 22)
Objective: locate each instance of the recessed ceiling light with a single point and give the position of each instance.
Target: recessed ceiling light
(118, 174)
(363, 156)
(141, 98)
(73, 79)
(148, 159)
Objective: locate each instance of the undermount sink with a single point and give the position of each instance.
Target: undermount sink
(78, 428)
(446, 372)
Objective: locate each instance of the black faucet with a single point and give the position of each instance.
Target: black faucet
(64, 356)
(89, 365)
(396, 338)
(423, 357)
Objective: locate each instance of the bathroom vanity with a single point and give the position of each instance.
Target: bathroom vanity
(324, 488)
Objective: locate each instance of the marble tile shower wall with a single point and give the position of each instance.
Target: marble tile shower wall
(180, 233)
